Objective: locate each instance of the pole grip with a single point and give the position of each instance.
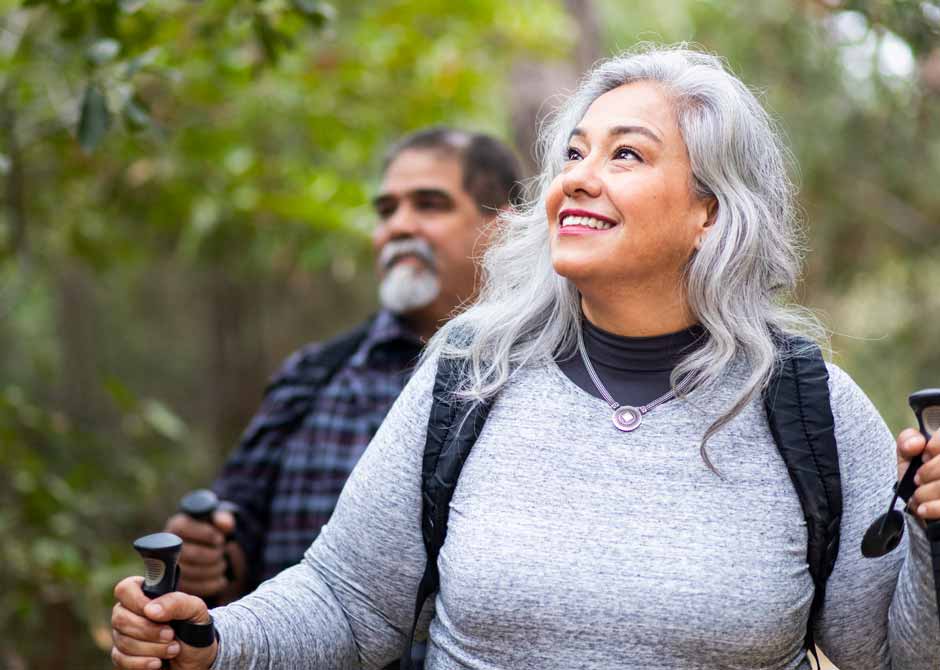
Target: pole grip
(160, 552)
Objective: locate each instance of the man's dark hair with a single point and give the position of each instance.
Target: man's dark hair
(491, 171)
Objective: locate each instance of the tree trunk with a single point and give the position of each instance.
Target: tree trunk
(535, 83)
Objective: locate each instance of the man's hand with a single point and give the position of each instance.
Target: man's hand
(202, 560)
(925, 503)
(142, 636)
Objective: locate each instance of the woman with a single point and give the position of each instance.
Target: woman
(651, 265)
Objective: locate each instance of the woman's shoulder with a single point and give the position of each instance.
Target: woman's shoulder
(844, 393)
(859, 427)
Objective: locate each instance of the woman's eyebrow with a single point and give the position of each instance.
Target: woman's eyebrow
(622, 130)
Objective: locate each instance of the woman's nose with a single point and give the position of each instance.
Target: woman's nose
(582, 179)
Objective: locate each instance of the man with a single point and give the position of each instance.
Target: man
(441, 190)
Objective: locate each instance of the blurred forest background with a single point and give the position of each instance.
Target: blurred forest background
(184, 193)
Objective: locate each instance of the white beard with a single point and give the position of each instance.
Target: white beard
(406, 288)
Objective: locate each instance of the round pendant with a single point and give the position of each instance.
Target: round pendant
(627, 418)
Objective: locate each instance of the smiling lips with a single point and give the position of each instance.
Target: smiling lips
(576, 222)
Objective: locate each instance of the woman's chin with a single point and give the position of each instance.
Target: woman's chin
(574, 267)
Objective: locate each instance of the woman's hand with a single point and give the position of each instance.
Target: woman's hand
(142, 635)
(925, 503)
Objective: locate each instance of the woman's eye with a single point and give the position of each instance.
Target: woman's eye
(572, 154)
(625, 153)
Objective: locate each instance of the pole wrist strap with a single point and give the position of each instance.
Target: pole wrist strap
(195, 634)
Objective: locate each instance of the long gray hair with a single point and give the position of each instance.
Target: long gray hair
(737, 283)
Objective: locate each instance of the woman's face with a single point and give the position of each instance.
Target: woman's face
(622, 212)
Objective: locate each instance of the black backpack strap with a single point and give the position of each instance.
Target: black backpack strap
(800, 418)
(453, 427)
(295, 392)
(288, 399)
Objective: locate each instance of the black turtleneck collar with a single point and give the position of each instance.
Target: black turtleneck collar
(657, 353)
(635, 370)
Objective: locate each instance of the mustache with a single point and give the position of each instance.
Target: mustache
(413, 246)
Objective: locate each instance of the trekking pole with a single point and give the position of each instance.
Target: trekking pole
(160, 552)
(200, 505)
(885, 533)
(926, 406)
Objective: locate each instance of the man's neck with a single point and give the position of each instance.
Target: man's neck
(423, 323)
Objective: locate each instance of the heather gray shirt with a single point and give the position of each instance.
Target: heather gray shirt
(572, 544)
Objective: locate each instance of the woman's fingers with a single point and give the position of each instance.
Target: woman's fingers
(930, 470)
(138, 642)
(177, 606)
(926, 501)
(134, 647)
(910, 443)
(121, 660)
(141, 633)
(137, 626)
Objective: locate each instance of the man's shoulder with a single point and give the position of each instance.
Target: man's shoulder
(315, 362)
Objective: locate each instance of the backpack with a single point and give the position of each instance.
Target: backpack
(800, 419)
(298, 390)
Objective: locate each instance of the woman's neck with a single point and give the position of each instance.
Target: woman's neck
(637, 315)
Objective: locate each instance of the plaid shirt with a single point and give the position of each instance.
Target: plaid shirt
(293, 460)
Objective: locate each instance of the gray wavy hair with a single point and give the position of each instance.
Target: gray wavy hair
(737, 283)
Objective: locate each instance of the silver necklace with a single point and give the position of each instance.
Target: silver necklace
(626, 417)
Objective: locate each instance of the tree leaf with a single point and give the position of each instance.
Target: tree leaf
(269, 38)
(318, 13)
(163, 421)
(131, 6)
(103, 51)
(95, 119)
(141, 61)
(136, 114)
(120, 393)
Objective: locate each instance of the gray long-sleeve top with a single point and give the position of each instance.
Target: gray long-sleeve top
(572, 544)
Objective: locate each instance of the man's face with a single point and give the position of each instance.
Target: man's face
(428, 234)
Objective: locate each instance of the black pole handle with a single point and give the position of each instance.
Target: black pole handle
(161, 552)
(886, 531)
(926, 403)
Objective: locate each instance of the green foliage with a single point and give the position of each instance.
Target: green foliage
(67, 496)
(167, 167)
(843, 81)
(178, 177)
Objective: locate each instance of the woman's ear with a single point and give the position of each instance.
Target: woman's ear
(711, 207)
(711, 215)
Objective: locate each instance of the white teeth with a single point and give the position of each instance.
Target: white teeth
(588, 221)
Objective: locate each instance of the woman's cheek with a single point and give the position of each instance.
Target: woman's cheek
(553, 198)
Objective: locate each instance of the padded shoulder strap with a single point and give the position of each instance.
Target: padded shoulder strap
(800, 418)
(453, 427)
(293, 392)
(316, 370)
